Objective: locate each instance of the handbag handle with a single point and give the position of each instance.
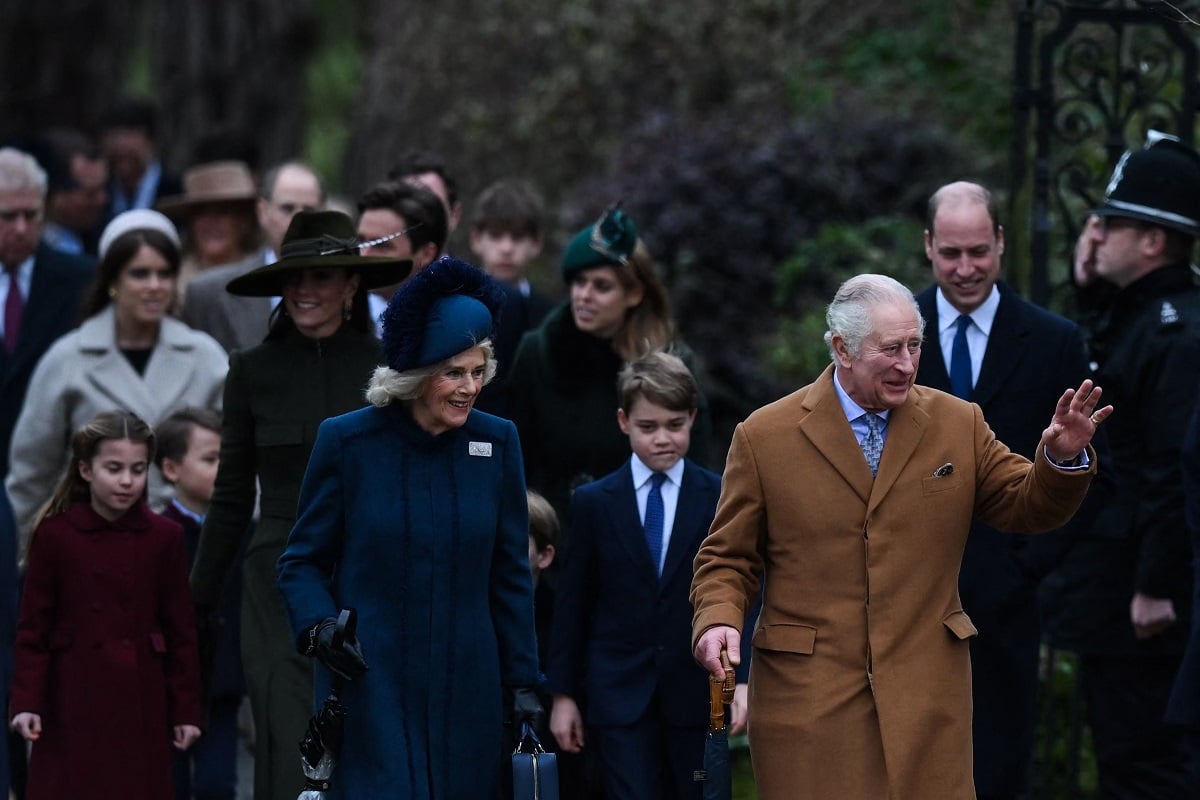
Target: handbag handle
(528, 735)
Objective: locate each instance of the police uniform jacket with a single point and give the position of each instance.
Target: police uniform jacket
(1144, 353)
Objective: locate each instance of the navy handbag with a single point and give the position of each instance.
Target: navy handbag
(535, 772)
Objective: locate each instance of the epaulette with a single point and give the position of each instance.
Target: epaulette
(1167, 315)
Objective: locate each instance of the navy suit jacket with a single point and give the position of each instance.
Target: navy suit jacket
(622, 634)
(1032, 356)
(51, 310)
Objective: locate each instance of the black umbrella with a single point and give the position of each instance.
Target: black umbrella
(323, 739)
(718, 776)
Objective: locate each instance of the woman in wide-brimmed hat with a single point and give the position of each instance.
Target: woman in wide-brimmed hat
(413, 512)
(126, 353)
(216, 214)
(315, 362)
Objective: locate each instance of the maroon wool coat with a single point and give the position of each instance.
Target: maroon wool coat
(106, 654)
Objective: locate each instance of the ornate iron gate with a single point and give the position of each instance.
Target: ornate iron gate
(1090, 78)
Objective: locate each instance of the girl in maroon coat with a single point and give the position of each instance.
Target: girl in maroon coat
(106, 677)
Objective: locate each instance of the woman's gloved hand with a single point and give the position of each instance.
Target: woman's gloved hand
(343, 657)
(527, 709)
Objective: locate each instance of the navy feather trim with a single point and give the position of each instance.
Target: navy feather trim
(406, 314)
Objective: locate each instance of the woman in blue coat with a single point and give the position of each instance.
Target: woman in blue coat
(413, 512)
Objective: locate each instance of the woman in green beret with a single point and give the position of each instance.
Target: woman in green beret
(315, 363)
(563, 381)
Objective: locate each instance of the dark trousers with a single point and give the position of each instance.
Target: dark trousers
(209, 770)
(651, 760)
(1139, 757)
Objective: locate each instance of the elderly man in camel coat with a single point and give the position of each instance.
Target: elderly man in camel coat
(860, 687)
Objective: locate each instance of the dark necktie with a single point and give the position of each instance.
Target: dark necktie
(654, 519)
(872, 444)
(13, 306)
(960, 361)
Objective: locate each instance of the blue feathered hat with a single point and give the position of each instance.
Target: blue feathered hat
(446, 308)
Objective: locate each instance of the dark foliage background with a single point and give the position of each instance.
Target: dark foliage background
(766, 149)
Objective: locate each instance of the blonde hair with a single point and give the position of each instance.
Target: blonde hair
(388, 385)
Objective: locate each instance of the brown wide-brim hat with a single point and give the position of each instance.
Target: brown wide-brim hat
(319, 239)
(217, 182)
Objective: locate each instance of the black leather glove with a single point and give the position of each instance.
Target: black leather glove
(343, 658)
(527, 709)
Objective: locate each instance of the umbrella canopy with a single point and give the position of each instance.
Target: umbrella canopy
(718, 776)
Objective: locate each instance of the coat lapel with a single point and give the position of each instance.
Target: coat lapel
(826, 427)
(933, 360)
(625, 523)
(167, 377)
(44, 310)
(906, 427)
(1004, 349)
(689, 525)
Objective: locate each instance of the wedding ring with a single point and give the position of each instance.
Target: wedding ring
(1094, 420)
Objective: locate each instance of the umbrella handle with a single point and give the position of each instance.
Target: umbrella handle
(347, 626)
(346, 630)
(720, 694)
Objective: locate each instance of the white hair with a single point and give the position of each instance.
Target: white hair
(849, 315)
(388, 385)
(19, 171)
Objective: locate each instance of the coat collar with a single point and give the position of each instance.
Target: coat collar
(167, 376)
(826, 426)
(83, 517)
(99, 332)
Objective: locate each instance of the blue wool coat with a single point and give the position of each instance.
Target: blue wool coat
(427, 537)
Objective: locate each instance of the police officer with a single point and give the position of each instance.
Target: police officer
(1122, 597)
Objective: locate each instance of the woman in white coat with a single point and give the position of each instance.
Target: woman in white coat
(127, 354)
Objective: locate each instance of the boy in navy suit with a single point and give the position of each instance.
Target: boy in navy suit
(621, 646)
(188, 452)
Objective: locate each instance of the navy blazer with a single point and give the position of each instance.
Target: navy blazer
(1032, 356)
(622, 634)
(51, 310)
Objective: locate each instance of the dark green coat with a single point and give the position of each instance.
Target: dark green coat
(276, 395)
(563, 398)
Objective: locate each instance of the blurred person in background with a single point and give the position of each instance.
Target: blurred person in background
(129, 140)
(241, 322)
(78, 194)
(127, 354)
(217, 217)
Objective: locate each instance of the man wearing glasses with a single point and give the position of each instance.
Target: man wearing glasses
(1122, 597)
(241, 322)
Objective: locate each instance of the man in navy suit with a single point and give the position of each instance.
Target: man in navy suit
(1012, 358)
(49, 285)
(621, 645)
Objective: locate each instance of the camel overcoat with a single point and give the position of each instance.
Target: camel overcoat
(860, 685)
